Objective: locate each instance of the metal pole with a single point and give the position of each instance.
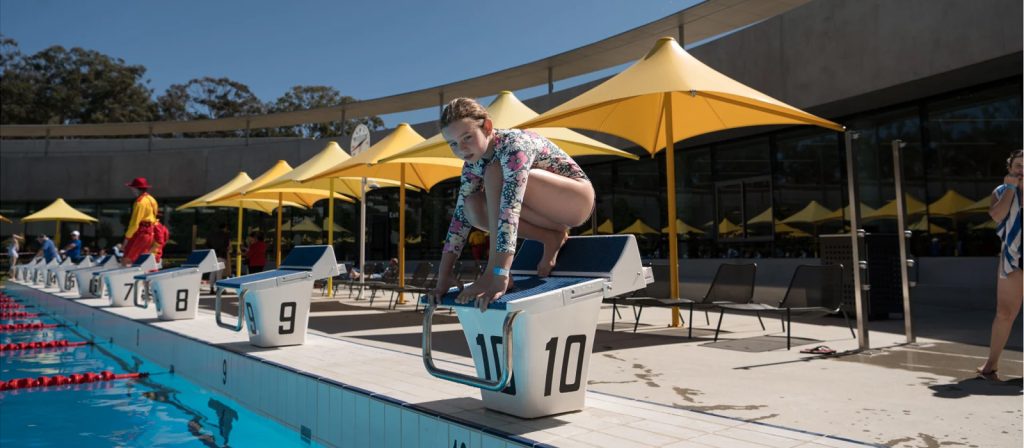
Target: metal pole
(673, 240)
(280, 211)
(903, 234)
(401, 236)
(330, 230)
(856, 233)
(238, 262)
(362, 237)
(551, 80)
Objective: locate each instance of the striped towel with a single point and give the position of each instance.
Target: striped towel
(1009, 231)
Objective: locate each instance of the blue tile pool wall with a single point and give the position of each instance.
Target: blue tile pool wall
(326, 411)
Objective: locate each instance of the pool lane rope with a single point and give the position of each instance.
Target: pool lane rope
(59, 380)
(27, 327)
(17, 315)
(62, 343)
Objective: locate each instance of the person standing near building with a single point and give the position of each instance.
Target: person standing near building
(13, 246)
(74, 248)
(478, 244)
(1006, 211)
(256, 253)
(138, 239)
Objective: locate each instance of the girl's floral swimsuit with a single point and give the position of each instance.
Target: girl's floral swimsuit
(517, 152)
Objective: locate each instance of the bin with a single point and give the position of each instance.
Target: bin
(550, 323)
(274, 305)
(120, 282)
(175, 292)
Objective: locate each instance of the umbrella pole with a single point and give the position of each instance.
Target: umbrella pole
(56, 236)
(673, 242)
(401, 236)
(330, 229)
(280, 205)
(238, 263)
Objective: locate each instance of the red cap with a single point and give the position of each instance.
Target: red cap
(138, 182)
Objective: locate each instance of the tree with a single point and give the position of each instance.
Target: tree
(73, 86)
(208, 98)
(311, 97)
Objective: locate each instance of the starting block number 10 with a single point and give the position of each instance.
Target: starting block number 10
(551, 347)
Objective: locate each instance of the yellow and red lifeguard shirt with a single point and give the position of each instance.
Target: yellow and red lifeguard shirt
(144, 211)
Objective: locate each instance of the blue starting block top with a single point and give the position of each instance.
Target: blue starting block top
(525, 287)
(195, 258)
(582, 256)
(147, 275)
(141, 260)
(317, 261)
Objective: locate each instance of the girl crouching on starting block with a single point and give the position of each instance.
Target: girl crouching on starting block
(514, 183)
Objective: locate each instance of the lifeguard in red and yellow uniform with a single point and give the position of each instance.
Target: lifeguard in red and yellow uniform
(140, 234)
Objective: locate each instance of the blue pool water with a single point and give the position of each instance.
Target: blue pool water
(160, 410)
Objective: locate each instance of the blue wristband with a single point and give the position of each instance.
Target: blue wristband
(501, 272)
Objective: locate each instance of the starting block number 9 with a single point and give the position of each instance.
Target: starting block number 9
(564, 386)
(287, 316)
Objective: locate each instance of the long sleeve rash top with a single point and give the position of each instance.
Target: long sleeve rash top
(517, 152)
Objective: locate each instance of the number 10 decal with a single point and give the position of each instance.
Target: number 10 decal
(495, 342)
(552, 347)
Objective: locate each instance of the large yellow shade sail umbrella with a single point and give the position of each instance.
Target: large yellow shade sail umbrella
(782, 228)
(888, 211)
(980, 206)
(727, 227)
(683, 228)
(604, 228)
(58, 211)
(665, 97)
(949, 204)
(765, 217)
(841, 213)
(421, 174)
(812, 213)
(219, 198)
(639, 227)
(924, 226)
(4, 219)
(507, 111)
(305, 196)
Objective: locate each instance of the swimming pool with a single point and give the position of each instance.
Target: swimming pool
(162, 409)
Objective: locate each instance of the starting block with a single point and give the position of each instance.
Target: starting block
(87, 287)
(39, 271)
(26, 272)
(54, 272)
(532, 346)
(176, 291)
(120, 282)
(275, 304)
(65, 277)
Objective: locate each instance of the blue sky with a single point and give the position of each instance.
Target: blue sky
(363, 49)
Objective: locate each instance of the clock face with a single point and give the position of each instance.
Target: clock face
(360, 139)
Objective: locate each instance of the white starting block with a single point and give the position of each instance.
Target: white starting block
(275, 304)
(532, 346)
(65, 276)
(55, 271)
(87, 287)
(40, 269)
(120, 282)
(176, 291)
(26, 272)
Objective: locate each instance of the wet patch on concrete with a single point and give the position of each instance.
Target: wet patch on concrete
(609, 355)
(687, 394)
(591, 383)
(647, 375)
(720, 407)
(923, 441)
(940, 359)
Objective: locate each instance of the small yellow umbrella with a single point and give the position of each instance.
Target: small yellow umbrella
(665, 97)
(683, 228)
(305, 225)
(782, 228)
(4, 219)
(507, 111)
(605, 227)
(888, 211)
(840, 213)
(980, 206)
(58, 211)
(765, 217)
(639, 227)
(949, 204)
(987, 225)
(727, 227)
(924, 226)
(813, 213)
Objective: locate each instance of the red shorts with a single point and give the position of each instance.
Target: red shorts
(140, 243)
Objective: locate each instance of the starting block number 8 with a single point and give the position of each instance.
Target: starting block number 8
(181, 300)
(564, 386)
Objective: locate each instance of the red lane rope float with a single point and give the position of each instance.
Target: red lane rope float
(57, 380)
(11, 306)
(27, 327)
(18, 315)
(41, 344)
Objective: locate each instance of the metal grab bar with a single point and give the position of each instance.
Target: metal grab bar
(240, 321)
(461, 378)
(145, 295)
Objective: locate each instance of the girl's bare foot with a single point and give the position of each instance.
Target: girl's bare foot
(550, 257)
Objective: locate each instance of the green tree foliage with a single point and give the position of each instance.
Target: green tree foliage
(311, 97)
(62, 86)
(208, 98)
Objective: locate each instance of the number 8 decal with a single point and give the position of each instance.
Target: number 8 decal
(181, 302)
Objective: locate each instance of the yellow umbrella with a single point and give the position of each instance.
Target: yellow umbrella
(782, 228)
(888, 211)
(987, 225)
(605, 227)
(58, 211)
(949, 204)
(813, 213)
(305, 225)
(765, 217)
(300, 177)
(507, 111)
(305, 196)
(421, 174)
(4, 219)
(683, 227)
(923, 225)
(727, 227)
(666, 97)
(980, 206)
(840, 213)
(213, 199)
(639, 228)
